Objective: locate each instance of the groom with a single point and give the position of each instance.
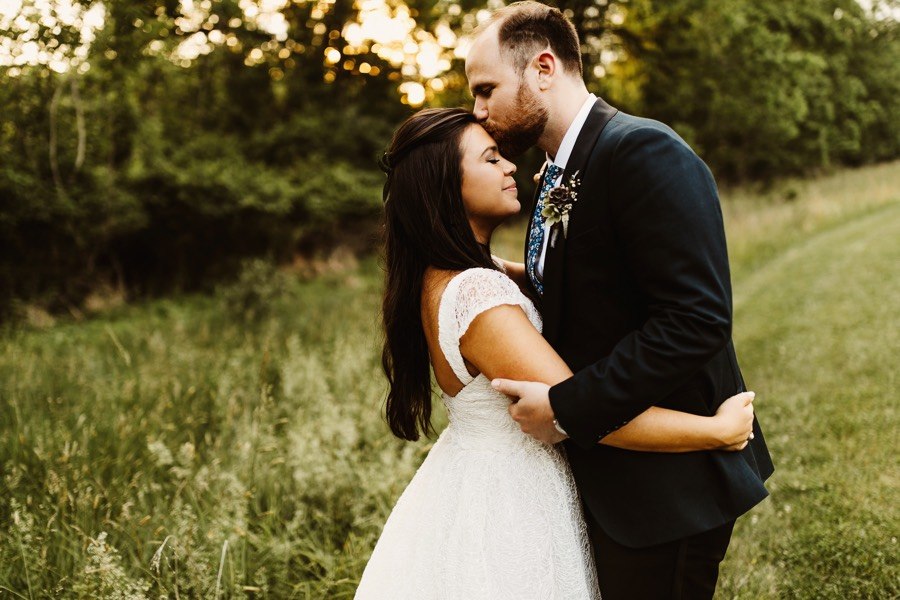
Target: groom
(635, 293)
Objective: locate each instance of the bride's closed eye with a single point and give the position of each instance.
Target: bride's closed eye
(493, 161)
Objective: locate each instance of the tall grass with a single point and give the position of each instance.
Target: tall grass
(234, 446)
(181, 419)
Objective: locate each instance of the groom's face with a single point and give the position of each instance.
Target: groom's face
(507, 104)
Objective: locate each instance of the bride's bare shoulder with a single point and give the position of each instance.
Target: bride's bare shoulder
(434, 276)
(434, 282)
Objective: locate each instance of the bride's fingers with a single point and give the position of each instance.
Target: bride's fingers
(537, 176)
(736, 447)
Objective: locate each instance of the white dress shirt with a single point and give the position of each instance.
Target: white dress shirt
(560, 160)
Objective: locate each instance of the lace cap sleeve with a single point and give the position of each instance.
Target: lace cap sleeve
(469, 294)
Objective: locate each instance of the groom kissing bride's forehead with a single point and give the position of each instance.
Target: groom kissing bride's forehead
(635, 296)
(535, 84)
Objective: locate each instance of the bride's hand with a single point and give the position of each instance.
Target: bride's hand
(537, 176)
(513, 270)
(733, 423)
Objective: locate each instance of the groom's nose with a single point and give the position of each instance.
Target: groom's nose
(480, 110)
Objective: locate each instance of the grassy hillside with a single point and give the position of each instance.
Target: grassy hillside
(818, 330)
(234, 444)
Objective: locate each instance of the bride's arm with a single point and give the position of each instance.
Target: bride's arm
(501, 342)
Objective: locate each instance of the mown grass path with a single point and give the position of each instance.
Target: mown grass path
(818, 333)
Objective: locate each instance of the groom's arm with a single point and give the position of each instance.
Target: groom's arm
(669, 223)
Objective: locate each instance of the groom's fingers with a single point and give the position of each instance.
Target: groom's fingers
(748, 397)
(508, 387)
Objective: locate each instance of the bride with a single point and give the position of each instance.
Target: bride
(491, 513)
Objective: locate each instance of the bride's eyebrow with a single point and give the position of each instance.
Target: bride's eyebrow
(489, 149)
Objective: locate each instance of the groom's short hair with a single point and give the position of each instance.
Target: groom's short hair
(527, 27)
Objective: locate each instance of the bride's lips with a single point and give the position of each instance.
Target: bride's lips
(510, 188)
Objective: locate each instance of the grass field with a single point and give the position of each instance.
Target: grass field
(233, 445)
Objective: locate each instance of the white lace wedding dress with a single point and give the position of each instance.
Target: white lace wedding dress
(491, 513)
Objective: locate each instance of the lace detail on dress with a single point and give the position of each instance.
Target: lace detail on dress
(492, 513)
(466, 296)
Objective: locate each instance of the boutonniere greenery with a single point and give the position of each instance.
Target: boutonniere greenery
(560, 201)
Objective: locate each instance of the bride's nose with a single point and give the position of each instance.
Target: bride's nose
(510, 168)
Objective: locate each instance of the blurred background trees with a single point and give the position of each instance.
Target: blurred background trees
(151, 145)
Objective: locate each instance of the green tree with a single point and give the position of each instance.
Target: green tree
(189, 136)
(763, 88)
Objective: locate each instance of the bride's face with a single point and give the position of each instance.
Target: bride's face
(488, 189)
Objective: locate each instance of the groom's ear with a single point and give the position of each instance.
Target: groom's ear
(547, 66)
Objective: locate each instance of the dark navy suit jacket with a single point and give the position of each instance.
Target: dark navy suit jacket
(637, 301)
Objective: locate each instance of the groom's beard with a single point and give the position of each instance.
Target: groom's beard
(524, 128)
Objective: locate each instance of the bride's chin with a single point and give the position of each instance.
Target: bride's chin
(506, 217)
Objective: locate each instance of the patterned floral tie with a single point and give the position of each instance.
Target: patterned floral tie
(536, 235)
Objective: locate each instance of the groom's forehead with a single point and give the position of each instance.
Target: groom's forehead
(485, 49)
(485, 62)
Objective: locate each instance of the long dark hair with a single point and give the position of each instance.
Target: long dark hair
(425, 225)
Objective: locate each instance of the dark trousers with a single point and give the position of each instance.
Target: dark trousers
(686, 569)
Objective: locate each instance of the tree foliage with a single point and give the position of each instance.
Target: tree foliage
(160, 168)
(764, 89)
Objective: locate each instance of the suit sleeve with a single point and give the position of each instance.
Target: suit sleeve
(668, 222)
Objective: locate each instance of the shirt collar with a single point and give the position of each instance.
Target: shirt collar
(568, 141)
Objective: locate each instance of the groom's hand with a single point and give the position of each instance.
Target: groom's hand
(531, 408)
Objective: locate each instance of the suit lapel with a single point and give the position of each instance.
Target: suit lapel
(551, 302)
